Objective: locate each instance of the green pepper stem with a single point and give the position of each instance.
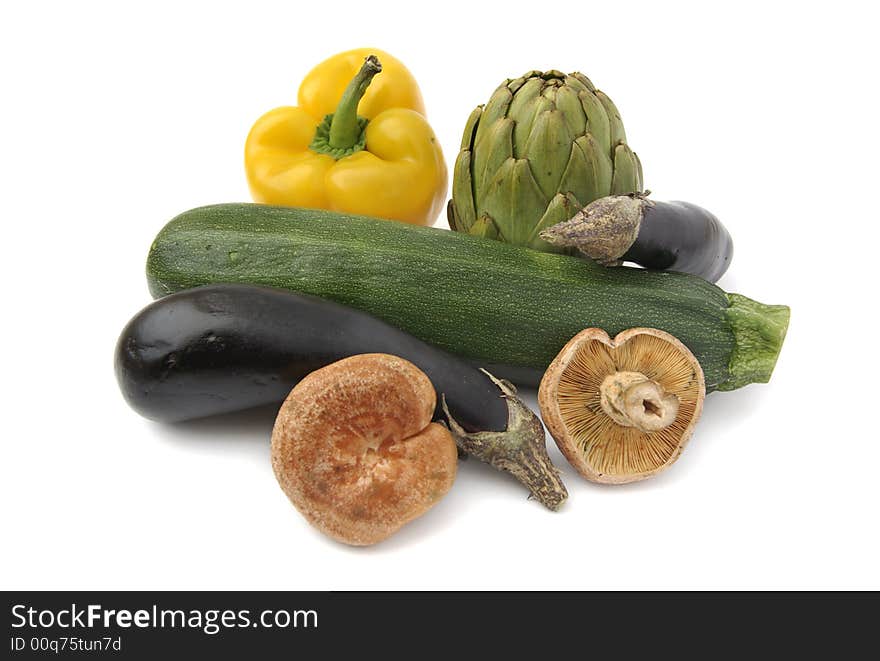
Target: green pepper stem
(344, 129)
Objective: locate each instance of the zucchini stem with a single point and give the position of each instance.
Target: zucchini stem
(758, 331)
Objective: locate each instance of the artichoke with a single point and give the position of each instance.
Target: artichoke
(545, 146)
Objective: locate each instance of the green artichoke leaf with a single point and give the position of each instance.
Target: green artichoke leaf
(526, 106)
(626, 171)
(599, 168)
(514, 200)
(485, 227)
(493, 151)
(549, 93)
(470, 128)
(548, 150)
(525, 94)
(578, 171)
(561, 208)
(569, 103)
(577, 79)
(598, 123)
(513, 84)
(461, 213)
(640, 181)
(492, 112)
(618, 135)
(452, 219)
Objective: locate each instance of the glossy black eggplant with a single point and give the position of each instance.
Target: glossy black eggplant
(223, 348)
(669, 236)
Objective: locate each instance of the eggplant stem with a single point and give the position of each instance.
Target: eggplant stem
(519, 450)
(603, 230)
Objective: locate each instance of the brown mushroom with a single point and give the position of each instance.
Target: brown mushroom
(622, 410)
(356, 452)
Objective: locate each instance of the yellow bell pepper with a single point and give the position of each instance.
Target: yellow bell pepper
(351, 146)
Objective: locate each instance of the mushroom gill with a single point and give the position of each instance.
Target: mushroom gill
(622, 410)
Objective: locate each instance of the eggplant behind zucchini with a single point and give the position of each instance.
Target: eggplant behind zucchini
(223, 348)
(681, 236)
(664, 236)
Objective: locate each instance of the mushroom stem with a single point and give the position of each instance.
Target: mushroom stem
(519, 450)
(632, 400)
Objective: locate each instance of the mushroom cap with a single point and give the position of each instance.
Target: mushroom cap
(355, 450)
(600, 448)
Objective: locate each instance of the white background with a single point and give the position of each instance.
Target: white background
(118, 116)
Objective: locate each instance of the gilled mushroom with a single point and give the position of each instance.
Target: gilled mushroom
(622, 410)
(356, 452)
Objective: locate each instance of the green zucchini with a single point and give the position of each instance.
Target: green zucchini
(505, 308)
